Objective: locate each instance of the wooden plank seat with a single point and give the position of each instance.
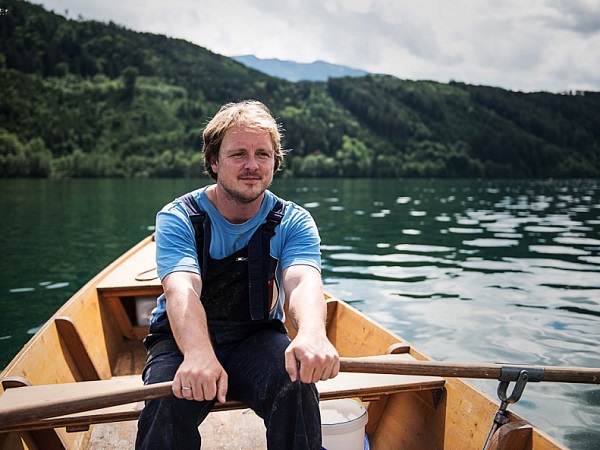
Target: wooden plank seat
(367, 387)
(135, 275)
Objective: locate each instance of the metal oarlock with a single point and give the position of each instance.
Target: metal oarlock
(520, 376)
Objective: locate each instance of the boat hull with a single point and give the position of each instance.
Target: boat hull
(96, 335)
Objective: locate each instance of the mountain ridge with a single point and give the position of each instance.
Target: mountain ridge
(92, 99)
(295, 71)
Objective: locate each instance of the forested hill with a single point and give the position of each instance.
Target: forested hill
(84, 98)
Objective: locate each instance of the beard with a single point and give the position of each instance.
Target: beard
(244, 195)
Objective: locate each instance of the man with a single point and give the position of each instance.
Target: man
(217, 331)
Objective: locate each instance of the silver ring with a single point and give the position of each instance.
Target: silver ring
(186, 388)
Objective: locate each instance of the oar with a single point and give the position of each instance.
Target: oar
(503, 372)
(389, 364)
(71, 399)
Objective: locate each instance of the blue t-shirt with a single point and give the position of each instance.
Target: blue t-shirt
(296, 241)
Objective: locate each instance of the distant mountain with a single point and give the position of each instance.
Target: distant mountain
(293, 71)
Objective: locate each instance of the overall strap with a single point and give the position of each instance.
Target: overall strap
(201, 223)
(259, 253)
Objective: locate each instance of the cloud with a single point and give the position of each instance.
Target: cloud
(522, 45)
(580, 16)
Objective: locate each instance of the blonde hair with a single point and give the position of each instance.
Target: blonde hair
(248, 113)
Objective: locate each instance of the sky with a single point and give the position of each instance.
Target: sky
(521, 45)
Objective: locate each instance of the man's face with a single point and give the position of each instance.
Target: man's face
(245, 164)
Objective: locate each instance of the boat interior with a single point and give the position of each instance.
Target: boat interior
(93, 345)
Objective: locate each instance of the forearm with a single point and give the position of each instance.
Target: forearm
(187, 319)
(311, 356)
(200, 376)
(307, 307)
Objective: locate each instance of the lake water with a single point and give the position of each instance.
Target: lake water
(467, 271)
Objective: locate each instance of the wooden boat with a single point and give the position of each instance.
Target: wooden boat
(93, 344)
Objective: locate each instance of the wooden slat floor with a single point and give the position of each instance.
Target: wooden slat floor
(226, 430)
(236, 430)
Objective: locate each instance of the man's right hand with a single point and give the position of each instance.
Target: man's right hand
(200, 377)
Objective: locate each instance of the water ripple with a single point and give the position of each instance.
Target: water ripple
(389, 258)
(491, 242)
(465, 230)
(423, 248)
(23, 289)
(557, 250)
(591, 259)
(577, 241)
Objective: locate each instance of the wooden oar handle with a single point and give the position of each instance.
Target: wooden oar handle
(80, 402)
(391, 364)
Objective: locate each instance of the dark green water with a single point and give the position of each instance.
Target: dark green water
(468, 271)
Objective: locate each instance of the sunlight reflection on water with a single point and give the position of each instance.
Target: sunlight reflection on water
(508, 273)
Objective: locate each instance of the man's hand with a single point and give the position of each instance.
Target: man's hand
(200, 377)
(311, 357)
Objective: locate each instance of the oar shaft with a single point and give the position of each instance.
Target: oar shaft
(392, 365)
(46, 408)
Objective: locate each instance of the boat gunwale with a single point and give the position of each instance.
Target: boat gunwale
(91, 289)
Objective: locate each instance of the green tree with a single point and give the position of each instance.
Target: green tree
(316, 165)
(354, 158)
(23, 160)
(388, 166)
(39, 158)
(12, 155)
(129, 75)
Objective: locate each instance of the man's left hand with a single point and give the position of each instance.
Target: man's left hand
(311, 357)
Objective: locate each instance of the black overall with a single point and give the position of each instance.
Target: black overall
(238, 287)
(237, 294)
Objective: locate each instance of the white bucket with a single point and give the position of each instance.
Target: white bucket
(143, 309)
(343, 424)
